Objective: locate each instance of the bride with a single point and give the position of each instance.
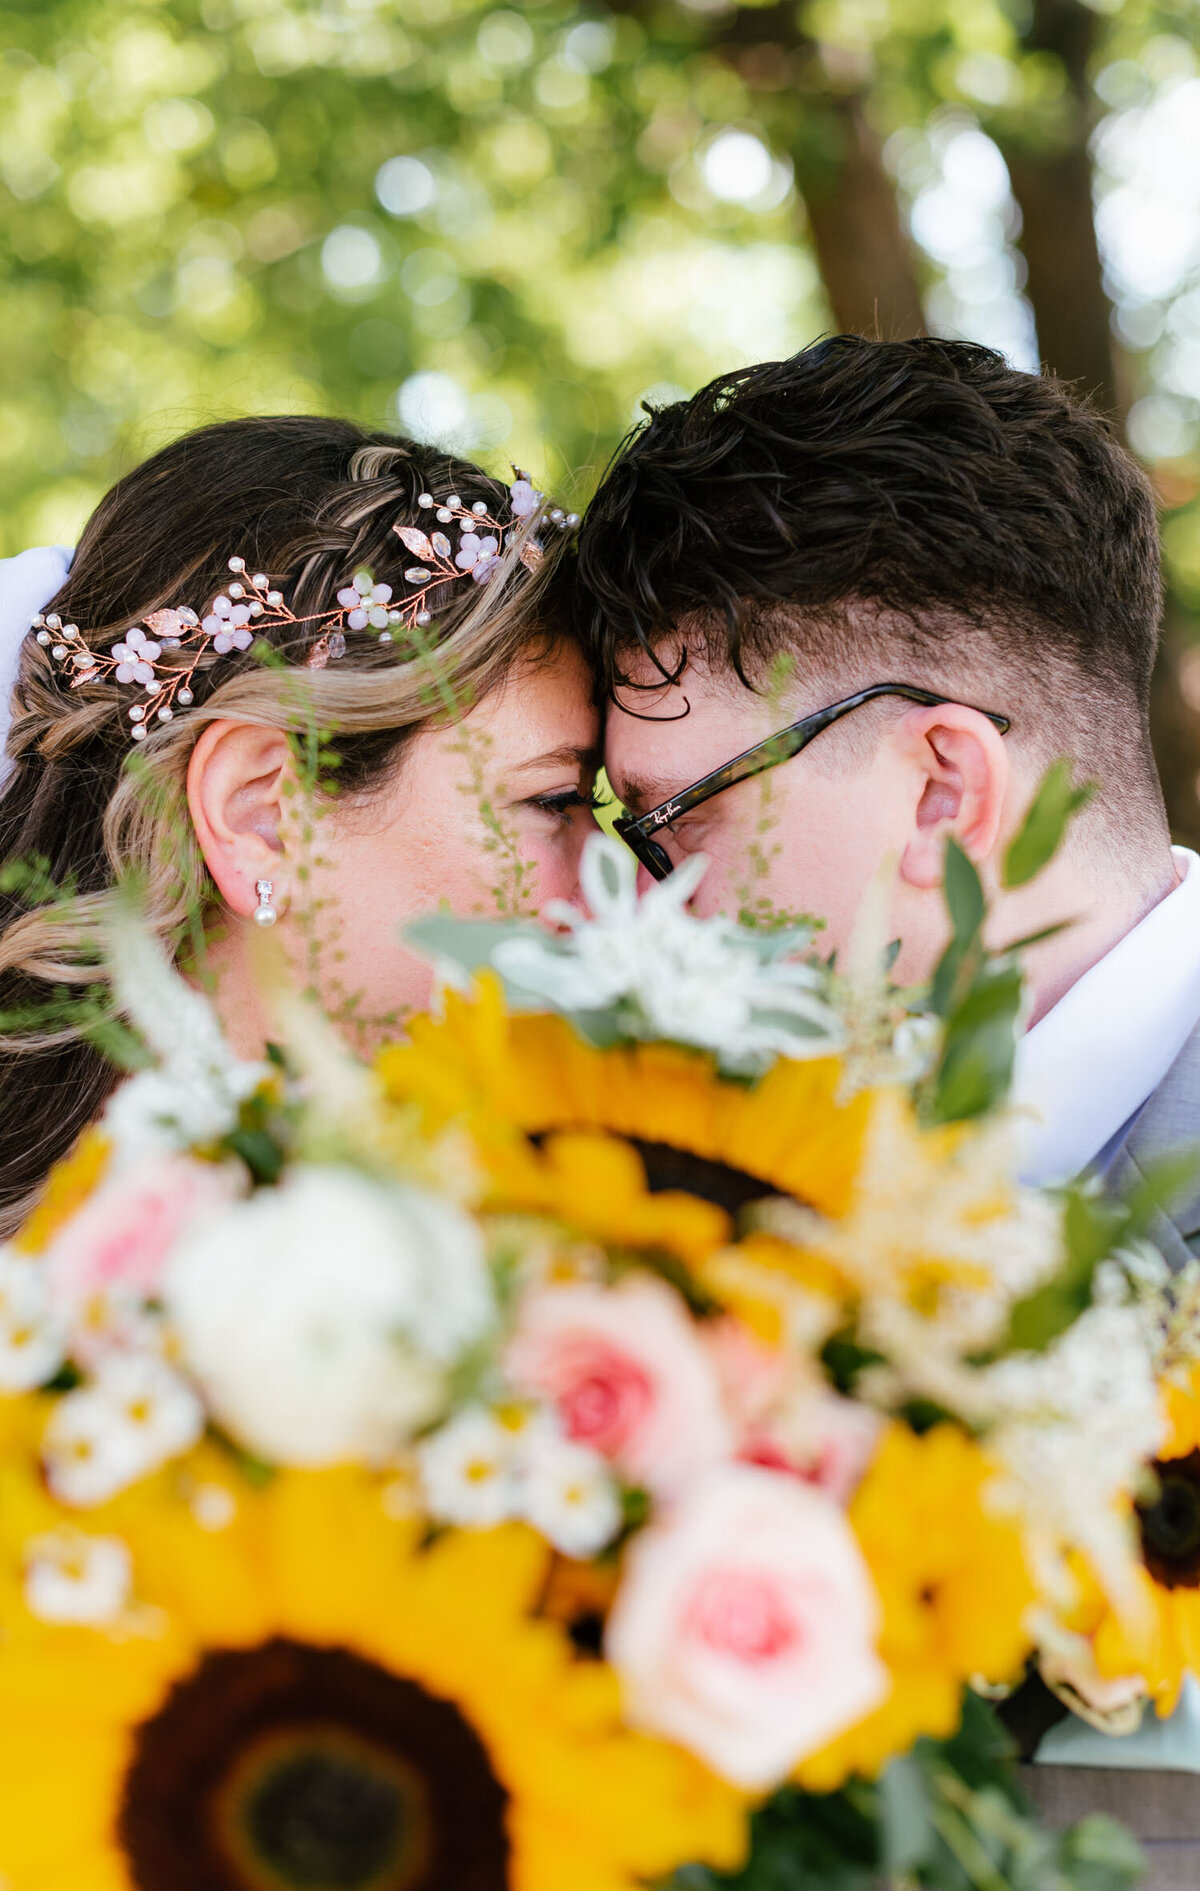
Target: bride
(297, 677)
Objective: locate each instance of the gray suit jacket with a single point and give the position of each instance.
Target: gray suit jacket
(1161, 1808)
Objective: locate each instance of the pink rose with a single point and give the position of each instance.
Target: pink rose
(824, 1439)
(745, 1624)
(628, 1376)
(108, 1260)
(754, 1377)
(786, 1418)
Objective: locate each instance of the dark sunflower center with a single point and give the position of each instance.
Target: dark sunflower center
(1170, 1525)
(671, 1168)
(292, 1768)
(315, 1807)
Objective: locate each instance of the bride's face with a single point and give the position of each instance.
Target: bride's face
(486, 817)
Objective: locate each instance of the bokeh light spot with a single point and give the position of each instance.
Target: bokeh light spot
(405, 186)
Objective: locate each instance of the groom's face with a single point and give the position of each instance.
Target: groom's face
(806, 837)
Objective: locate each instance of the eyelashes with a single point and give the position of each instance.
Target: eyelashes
(565, 801)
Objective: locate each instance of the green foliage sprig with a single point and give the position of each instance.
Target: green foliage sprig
(976, 990)
(947, 1817)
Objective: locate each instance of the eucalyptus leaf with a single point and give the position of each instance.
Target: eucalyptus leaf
(905, 1814)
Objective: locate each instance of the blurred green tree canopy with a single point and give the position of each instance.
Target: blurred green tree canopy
(507, 226)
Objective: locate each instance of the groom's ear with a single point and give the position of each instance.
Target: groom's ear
(235, 789)
(962, 777)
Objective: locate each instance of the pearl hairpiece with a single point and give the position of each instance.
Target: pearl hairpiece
(249, 603)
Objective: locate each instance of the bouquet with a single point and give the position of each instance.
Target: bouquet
(628, 1434)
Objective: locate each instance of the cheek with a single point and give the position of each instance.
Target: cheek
(554, 858)
(798, 843)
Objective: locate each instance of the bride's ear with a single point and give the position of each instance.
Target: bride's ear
(235, 789)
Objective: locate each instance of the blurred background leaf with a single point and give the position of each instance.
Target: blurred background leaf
(507, 227)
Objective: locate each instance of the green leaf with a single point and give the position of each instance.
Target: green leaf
(982, 1750)
(122, 1047)
(904, 1811)
(1162, 1185)
(966, 905)
(259, 1151)
(843, 1359)
(1041, 832)
(975, 1068)
(1093, 1225)
(964, 893)
(1100, 1855)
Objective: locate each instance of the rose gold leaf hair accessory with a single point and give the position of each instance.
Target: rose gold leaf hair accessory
(161, 655)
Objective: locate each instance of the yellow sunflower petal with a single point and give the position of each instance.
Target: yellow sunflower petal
(334, 1579)
(954, 1587)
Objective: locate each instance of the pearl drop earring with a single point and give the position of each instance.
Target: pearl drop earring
(264, 912)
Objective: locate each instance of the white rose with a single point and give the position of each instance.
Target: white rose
(319, 1316)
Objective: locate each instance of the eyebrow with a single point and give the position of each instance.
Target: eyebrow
(641, 793)
(564, 757)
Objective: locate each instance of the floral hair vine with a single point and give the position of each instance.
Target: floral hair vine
(146, 654)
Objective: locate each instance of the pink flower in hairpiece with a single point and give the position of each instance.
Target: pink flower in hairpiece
(228, 626)
(524, 497)
(366, 602)
(477, 555)
(136, 657)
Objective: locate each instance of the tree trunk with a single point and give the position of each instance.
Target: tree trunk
(864, 254)
(1065, 286)
(1052, 183)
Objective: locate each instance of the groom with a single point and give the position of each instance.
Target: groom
(757, 563)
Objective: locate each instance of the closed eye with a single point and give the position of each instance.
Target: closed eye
(565, 801)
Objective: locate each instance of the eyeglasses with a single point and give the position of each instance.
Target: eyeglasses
(638, 831)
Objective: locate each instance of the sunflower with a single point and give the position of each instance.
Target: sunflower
(69, 1185)
(305, 1692)
(954, 1588)
(555, 1118)
(1163, 1645)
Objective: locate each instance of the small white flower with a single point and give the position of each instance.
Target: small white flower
(70, 1577)
(135, 1415)
(194, 1094)
(32, 1339)
(695, 981)
(469, 1470)
(320, 1317)
(159, 1406)
(88, 1452)
(568, 1494)
(1073, 1428)
(213, 1506)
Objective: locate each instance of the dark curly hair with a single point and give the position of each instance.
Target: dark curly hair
(871, 503)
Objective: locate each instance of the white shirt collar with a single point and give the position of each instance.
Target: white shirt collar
(1088, 1066)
